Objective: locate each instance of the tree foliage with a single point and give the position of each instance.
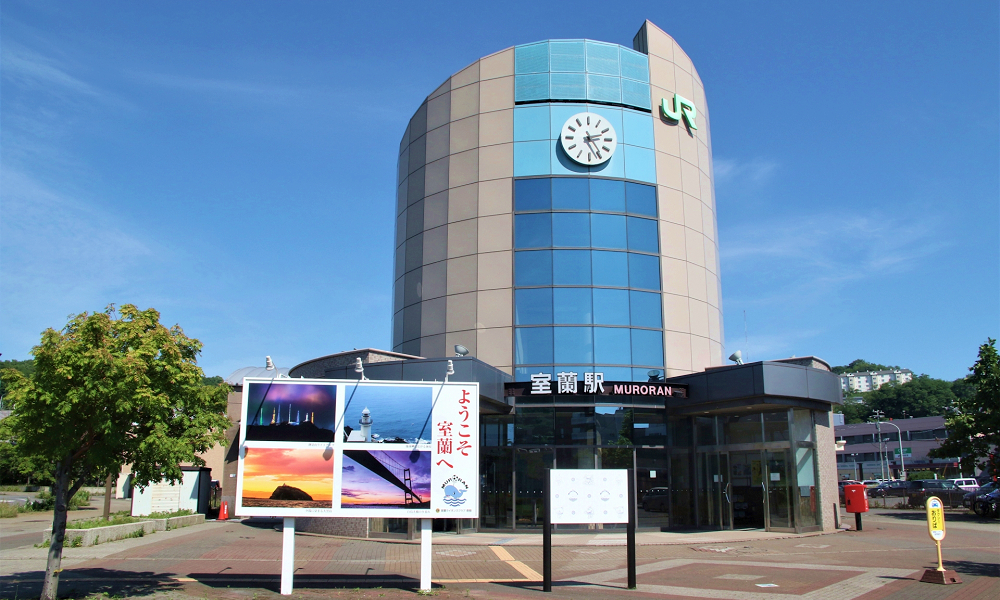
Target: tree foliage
(112, 388)
(922, 396)
(861, 365)
(974, 419)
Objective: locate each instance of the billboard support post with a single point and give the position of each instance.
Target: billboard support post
(630, 530)
(287, 555)
(425, 555)
(547, 532)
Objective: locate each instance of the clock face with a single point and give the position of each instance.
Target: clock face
(588, 138)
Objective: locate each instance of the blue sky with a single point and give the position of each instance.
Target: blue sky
(232, 164)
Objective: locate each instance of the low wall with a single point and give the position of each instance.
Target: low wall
(100, 535)
(176, 522)
(344, 526)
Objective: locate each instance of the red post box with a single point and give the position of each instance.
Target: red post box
(856, 498)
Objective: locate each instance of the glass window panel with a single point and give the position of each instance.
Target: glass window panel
(602, 58)
(533, 231)
(645, 309)
(608, 231)
(533, 268)
(612, 346)
(744, 429)
(641, 199)
(636, 93)
(602, 88)
(644, 271)
(607, 194)
(570, 57)
(531, 87)
(614, 373)
(531, 58)
(532, 194)
(776, 426)
(532, 345)
(571, 193)
(611, 307)
(574, 345)
(642, 235)
(643, 374)
(649, 428)
(571, 267)
(568, 86)
(572, 306)
(525, 373)
(533, 306)
(534, 425)
(610, 268)
(575, 426)
(570, 230)
(613, 425)
(635, 65)
(647, 347)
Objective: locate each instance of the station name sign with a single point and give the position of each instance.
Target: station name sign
(568, 383)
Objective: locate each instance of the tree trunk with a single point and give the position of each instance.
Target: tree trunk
(50, 587)
(108, 487)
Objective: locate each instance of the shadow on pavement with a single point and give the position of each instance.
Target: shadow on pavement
(80, 583)
(920, 515)
(968, 567)
(332, 581)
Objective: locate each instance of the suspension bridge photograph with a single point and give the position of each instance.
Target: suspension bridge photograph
(386, 479)
(290, 412)
(288, 477)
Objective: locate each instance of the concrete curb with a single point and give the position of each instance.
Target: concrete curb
(98, 535)
(177, 522)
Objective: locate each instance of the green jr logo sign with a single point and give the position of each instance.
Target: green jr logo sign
(682, 108)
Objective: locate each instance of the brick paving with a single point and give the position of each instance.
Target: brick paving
(238, 560)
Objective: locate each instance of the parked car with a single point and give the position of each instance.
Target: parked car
(986, 488)
(949, 493)
(890, 489)
(968, 484)
(870, 483)
(657, 498)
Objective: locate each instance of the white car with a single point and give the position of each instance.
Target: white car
(969, 485)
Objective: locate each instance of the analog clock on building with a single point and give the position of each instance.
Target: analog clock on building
(588, 138)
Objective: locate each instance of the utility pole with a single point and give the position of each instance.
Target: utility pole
(881, 447)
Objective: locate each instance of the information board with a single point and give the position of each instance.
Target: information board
(349, 448)
(589, 496)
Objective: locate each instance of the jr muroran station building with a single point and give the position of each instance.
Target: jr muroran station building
(556, 216)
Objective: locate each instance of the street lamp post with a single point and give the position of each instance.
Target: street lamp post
(881, 447)
(902, 461)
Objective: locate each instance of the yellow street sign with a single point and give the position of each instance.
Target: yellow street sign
(935, 518)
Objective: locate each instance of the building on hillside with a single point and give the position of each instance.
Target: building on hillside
(866, 381)
(866, 457)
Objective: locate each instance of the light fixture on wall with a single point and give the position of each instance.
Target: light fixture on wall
(269, 365)
(736, 357)
(461, 350)
(450, 371)
(359, 367)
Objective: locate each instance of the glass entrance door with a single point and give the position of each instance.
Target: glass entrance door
(780, 514)
(746, 489)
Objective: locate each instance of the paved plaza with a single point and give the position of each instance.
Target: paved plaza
(234, 559)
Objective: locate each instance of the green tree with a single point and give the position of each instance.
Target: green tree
(855, 411)
(974, 421)
(861, 365)
(922, 396)
(112, 388)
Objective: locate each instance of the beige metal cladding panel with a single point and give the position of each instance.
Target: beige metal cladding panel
(661, 75)
(658, 42)
(412, 287)
(676, 313)
(434, 345)
(711, 258)
(463, 203)
(461, 311)
(696, 282)
(691, 181)
(464, 134)
(668, 170)
(411, 322)
(495, 233)
(401, 195)
(496, 162)
(495, 197)
(715, 348)
(465, 102)
(397, 328)
(400, 229)
(671, 204)
(496, 346)
(704, 158)
(397, 295)
(695, 246)
(435, 280)
(675, 279)
(418, 123)
(699, 318)
(496, 65)
(666, 134)
(677, 351)
(462, 274)
(418, 153)
(495, 270)
(712, 288)
(672, 242)
(438, 143)
(707, 220)
(496, 94)
(403, 166)
(496, 127)
(701, 353)
(436, 177)
(682, 60)
(688, 142)
(436, 210)
(462, 238)
(435, 245)
(438, 111)
(466, 76)
(495, 309)
(464, 168)
(432, 317)
(693, 218)
(714, 324)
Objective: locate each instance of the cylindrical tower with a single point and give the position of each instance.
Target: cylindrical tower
(541, 258)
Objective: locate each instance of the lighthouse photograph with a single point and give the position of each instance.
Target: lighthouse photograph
(291, 412)
(387, 414)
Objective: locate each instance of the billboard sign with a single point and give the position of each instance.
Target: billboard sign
(348, 448)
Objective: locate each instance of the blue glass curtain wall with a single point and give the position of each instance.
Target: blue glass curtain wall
(586, 277)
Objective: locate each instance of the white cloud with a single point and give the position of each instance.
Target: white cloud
(756, 171)
(28, 68)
